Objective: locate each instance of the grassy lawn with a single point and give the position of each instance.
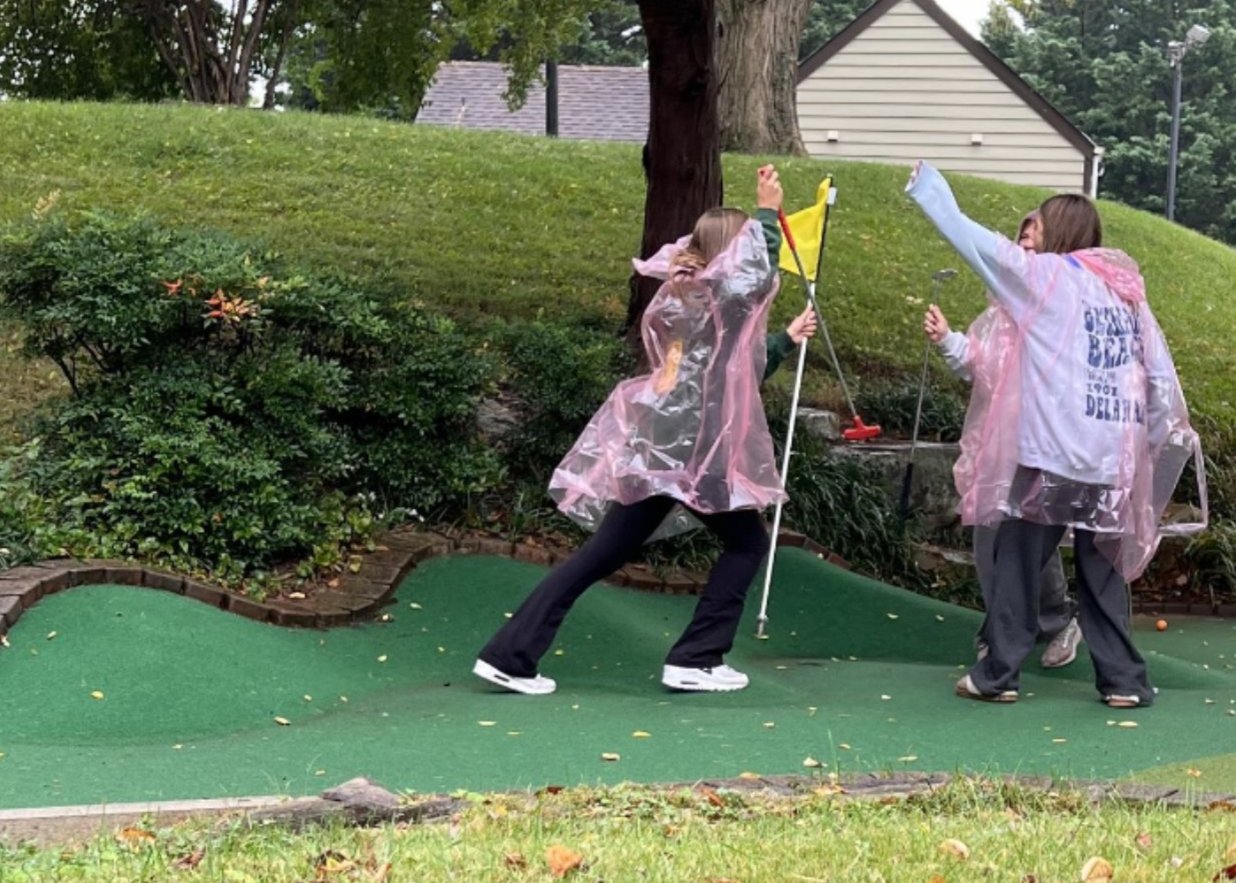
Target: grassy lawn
(967, 831)
(493, 227)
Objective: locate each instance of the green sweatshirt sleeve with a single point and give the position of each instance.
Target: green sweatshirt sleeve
(772, 233)
(779, 348)
(779, 345)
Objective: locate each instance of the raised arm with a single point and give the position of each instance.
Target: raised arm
(1001, 265)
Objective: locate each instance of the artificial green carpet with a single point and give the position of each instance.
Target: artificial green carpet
(856, 674)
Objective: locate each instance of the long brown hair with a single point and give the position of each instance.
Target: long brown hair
(1070, 223)
(712, 233)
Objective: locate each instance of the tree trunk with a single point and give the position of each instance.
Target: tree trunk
(211, 48)
(682, 157)
(757, 74)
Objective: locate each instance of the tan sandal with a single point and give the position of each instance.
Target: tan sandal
(1122, 701)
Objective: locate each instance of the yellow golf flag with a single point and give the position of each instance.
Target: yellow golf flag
(807, 227)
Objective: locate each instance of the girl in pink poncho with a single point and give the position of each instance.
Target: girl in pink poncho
(684, 444)
(1085, 427)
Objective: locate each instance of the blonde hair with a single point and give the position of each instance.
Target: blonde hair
(712, 233)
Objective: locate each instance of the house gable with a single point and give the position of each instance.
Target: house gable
(904, 81)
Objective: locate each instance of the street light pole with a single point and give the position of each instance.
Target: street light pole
(1176, 51)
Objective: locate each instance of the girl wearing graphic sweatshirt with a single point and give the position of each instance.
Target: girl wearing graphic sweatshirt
(1086, 428)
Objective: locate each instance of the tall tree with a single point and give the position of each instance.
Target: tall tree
(682, 157)
(757, 71)
(53, 49)
(381, 54)
(213, 47)
(1104, 64)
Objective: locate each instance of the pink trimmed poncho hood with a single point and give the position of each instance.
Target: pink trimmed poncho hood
(1078, 385)
(694, 427)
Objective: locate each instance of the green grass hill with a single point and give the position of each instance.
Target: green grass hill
(491, 226)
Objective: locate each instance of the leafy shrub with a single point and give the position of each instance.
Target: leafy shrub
(559, 376)
(229, 413)
(892, 404)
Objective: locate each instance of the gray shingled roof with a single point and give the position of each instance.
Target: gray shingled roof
(602, 103)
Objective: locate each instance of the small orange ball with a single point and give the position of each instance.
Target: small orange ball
(1161, 625)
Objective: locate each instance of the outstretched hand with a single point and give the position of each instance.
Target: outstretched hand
(768, 189)
(803, 327)
(935, 325)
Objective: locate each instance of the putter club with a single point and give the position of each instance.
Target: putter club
(937, 279)
(860, 431)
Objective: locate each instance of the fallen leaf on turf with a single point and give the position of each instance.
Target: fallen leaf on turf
(936, 878)
(331, 863)
(1097, 870)
(1193, 774)
(283, 721)
(844, 746)
(134, 837)
(811, 763)
(51, 635)
(1175, 861)
(1221, 806)
(96, 694)
(610, 756)
(768, 725)
(1059, 741)
(909, 758)
(562, 860)
(382, 658)
(1143, 841)
(712, 796)
(307, 698)
(487, 723)
(885, 697)
(750, 777)
(640, 734)
(515, 861)
(190, 861)
(891, 615)
(1128, 725)
(415, 606)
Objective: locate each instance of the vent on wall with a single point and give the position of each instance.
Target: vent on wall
(834, 135)
(976, 139)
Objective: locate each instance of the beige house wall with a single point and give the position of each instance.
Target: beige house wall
(904, 89)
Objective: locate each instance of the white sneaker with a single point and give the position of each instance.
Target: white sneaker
(717, 679)
(1062, 649)
(537, 685)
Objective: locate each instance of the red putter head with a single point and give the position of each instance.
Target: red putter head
(860, 431)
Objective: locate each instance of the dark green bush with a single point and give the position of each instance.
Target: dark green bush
(892, 404)
(229, 413)
(558, 376)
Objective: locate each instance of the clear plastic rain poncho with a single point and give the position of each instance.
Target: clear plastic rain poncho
(693, 429)
(1123, 459)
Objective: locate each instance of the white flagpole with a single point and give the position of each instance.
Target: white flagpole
(762, 621)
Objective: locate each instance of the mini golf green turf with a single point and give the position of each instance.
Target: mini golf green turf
(856, 674)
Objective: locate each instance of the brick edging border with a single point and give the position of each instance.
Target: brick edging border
(359, 595)
(362, 594)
